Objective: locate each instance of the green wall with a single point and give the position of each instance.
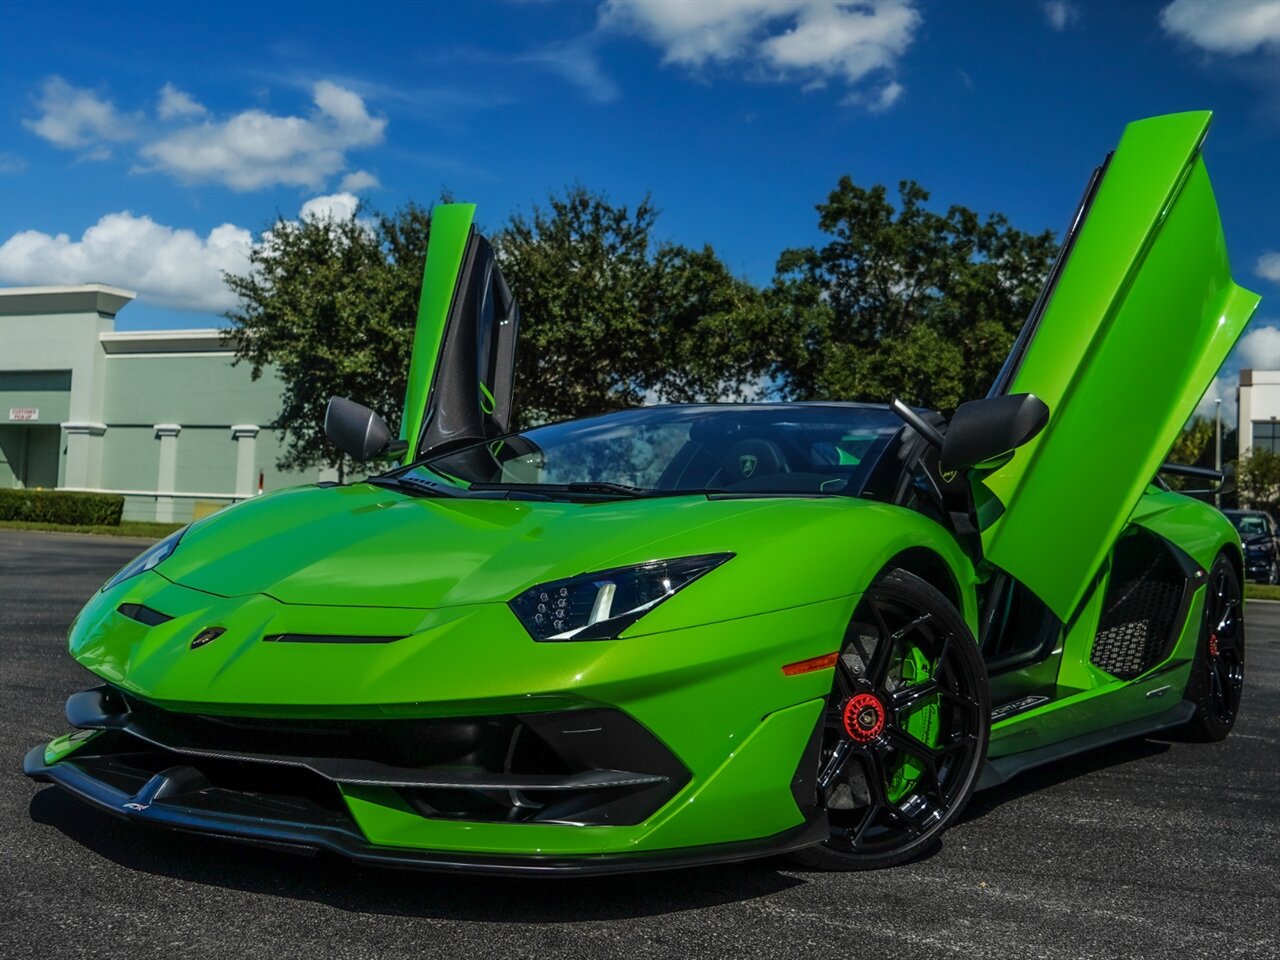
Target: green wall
(49, 391)
(188, 390)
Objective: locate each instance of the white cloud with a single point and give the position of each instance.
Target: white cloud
(358, 180)
(175, 103)
(336, 206)
(576, 63)
(11, 163)
(807, 40)
(167, 266)
(1268, 266)
(1223, 388)
(255, 149)
(1259, 349)
(73, 117)
(876, 101)
(1060, 13)
(1224, 26)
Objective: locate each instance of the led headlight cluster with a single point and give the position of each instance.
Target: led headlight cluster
(599, 606)
(153, 556)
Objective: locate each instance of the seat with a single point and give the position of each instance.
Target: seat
(748, 459)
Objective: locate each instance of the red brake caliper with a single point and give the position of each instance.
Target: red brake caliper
(1213, 644)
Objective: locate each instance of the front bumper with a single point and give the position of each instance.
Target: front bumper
(712, 697)
(165, 801)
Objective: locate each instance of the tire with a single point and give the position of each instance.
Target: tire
(1274, 579)
(1217, 673)
(906, 728)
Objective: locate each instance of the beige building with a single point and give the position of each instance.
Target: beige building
(164, 417)
(1259, 410)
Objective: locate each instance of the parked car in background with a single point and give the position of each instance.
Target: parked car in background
(1261, 544)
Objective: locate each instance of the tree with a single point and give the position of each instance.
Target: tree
(904, 302)
(610, 317)
(331, 304)
(1258, 479)
(1193, 448)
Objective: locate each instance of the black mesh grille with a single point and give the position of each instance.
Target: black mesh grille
(1141, 608)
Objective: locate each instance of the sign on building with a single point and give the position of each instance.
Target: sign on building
(24, 413)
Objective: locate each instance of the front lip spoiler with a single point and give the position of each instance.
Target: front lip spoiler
(148, 805)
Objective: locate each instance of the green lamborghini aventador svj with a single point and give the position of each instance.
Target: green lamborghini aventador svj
(686, 634)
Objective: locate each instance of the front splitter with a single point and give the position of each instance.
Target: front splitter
(149, 805)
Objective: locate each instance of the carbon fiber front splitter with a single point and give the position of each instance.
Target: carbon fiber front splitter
(156, 803)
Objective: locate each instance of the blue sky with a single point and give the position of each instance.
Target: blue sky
(144, 144)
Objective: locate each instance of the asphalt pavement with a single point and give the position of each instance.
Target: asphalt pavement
(1152, 848)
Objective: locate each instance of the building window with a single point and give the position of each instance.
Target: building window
(1266, 435)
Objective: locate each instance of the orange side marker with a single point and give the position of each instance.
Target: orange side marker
(826, 661)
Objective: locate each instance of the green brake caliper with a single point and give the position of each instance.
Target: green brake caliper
(921, 722)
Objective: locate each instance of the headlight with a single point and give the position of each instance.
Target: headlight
(599, 606)
(151, 557)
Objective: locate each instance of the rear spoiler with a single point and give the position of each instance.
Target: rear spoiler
(1200, 473)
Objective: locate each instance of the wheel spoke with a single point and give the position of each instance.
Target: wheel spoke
(1215, 682)
(907, 697)
(964, 702)
(1225, 620)
(835, 765)
(912, 824)
(844, 679)
(877, 777)
(878, 667)
(904, 742)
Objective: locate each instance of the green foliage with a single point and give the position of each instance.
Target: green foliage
(331, 305)
(126, 528)
(610, 317)
(1258, 480)
(61, 507)
(904, 301)
(1193, 448)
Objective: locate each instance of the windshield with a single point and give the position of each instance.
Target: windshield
(714, 448)
(1249, 523)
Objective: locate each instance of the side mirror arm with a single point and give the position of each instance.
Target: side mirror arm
(917, 423)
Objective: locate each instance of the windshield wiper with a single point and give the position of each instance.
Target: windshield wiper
(605, 486)
(411, 485)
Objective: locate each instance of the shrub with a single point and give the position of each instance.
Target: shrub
(60, 506)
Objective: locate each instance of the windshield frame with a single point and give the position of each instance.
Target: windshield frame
(884, 434)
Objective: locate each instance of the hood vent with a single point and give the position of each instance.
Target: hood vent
(143, 615)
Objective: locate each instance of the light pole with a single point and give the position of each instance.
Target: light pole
(1217, 449)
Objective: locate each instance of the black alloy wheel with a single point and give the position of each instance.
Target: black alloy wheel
(906, 728)
(1216, 683)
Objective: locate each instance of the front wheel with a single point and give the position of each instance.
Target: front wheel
(906, 728)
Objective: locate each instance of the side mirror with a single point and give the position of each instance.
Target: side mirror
(983, 432)
(359, 432)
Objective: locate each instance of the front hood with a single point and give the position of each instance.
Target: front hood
(362, 545)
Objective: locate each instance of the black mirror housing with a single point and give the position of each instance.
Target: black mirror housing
(987, 430)
(357, 431)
